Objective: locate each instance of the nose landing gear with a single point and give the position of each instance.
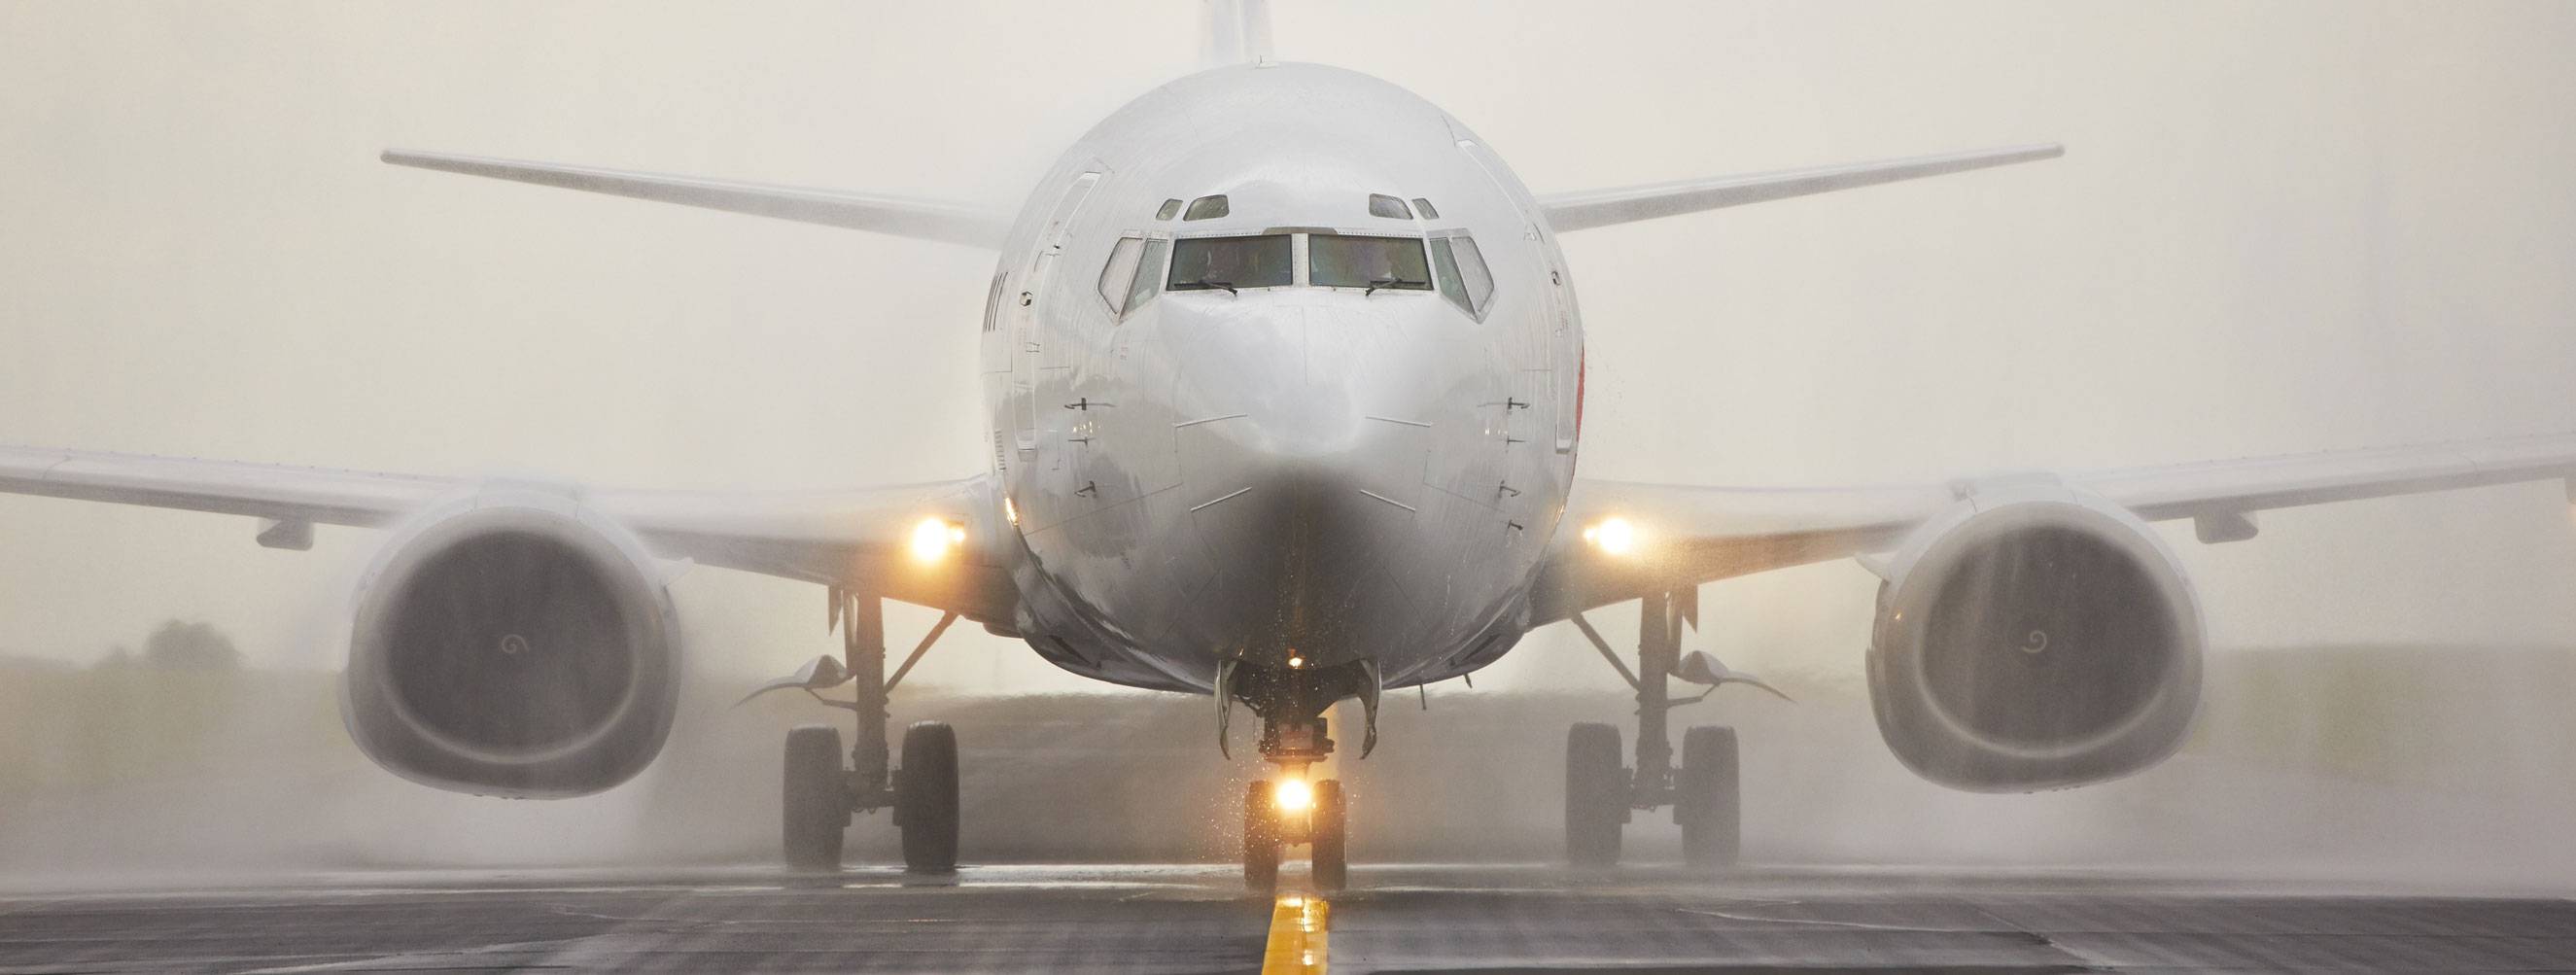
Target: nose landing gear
(1295, 809)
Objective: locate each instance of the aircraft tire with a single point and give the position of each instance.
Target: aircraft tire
(1260, 838)
(1596, 795)
(926, 798)
(1329, 850)
(815, 799)
(1708, 801)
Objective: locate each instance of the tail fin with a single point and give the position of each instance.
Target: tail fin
(1237, 32)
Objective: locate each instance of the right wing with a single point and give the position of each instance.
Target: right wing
(927, 220)
(1686, 535)
(1601, 208)
(854, 537)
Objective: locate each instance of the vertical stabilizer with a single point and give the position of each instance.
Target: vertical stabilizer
(1237, 32)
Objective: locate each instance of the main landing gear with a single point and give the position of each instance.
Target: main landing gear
(1295, 809)
(1704, 790)
(821, 794)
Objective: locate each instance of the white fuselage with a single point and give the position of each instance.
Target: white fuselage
(1228, 469)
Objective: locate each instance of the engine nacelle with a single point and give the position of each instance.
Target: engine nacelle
(2034, 638)
(511, 643)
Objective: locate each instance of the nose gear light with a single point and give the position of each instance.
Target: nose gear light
(1294, 795)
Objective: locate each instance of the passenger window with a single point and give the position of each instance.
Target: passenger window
(1207, 208)
(1120, 273)
(1423, 207)
(1471, 268)
(1375, 263)
(1227, 263)
(1149, 270)
(1444, 269)
(1382, 205)
(1171, 208)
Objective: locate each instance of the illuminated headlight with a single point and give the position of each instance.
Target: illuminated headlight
(934, 538)
(1294, 795)
(1613, 535)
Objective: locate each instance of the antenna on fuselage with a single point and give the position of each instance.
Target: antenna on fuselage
(1236, 32)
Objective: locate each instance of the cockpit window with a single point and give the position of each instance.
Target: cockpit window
(1375, 263)
(1117, 277)
(1149, 272)
(1444, 269)
(1382, 205)
(1208, 208)
(1424, 208)
(1170, 209)
(1471, 266)
(1228, 263)
(1461, 271)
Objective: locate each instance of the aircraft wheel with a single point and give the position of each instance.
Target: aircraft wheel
(1260, 838)
(1330, 830)
(1707, 800)
(816, 806)
(925, 799)
(1596, 795)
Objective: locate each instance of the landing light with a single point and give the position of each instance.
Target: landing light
(934, 538)
(1294, 795)
(1613, 535)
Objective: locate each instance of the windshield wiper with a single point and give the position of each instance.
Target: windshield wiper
(1376, 283)
(1206, 283)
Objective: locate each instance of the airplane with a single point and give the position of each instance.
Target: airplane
(1284, 373)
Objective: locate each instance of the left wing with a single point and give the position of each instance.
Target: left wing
(1679, 536)
(1601, 208)
(846, 537)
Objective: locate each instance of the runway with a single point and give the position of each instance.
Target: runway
(1196, 918)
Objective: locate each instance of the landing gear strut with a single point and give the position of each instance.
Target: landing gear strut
(821, 794)
(1293, 809)
(1601, 792)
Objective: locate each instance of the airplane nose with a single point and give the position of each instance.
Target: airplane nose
(1250, 366)
(1302, 451)
(1312, 395)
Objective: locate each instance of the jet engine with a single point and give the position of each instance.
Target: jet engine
(2034, 639)
(512, 644)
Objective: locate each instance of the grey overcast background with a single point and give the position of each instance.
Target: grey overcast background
(2279, 227)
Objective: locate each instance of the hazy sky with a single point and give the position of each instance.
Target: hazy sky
(2279, 227)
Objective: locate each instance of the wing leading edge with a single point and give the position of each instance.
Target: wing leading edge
(837, 537)
(1690, 535)
(923, 219)
(1602, 208)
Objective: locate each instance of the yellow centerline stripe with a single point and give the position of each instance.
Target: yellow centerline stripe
(1297, 929)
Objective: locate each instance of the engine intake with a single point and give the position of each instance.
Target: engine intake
(513, 645)
(2042, 640)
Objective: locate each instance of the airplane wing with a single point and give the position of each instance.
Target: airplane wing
(853, 538)
(1678, 536)
(923, 219)
(1601, 208)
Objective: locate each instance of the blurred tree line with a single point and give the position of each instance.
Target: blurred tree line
(180, 645)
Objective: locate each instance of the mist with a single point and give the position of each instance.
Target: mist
(2278, 228)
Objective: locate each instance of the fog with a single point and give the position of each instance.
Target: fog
(2278, 228)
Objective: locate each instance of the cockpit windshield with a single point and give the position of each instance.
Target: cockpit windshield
(1228, 263)
(1375, 263)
